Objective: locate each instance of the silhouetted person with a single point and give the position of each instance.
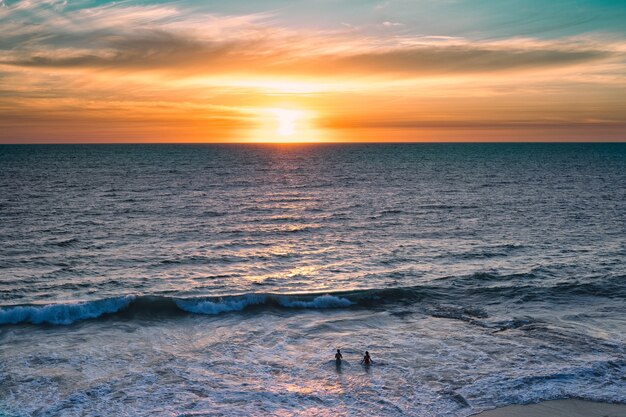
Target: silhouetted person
(367, 359)
(338, 357)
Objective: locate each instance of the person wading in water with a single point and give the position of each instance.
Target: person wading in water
(367, 359)
(338, 357)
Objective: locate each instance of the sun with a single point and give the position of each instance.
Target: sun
(285, 124)
(286, 121)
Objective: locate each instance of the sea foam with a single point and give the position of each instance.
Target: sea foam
(63, 313)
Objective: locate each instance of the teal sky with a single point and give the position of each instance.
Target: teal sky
(481, 19)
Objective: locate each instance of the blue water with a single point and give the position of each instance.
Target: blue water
(219, 279)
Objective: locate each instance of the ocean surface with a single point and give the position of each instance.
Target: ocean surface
(218, 280)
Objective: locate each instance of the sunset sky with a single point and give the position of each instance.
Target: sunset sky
(327, 70)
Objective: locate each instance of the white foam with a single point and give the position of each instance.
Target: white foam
(323, 301)
(240, 303)
(211, 307)
(63, 313)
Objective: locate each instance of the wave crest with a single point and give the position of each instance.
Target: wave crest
(64, 314)
(442, 298)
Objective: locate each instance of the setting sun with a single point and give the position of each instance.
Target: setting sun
(286, 123)
(286, 120)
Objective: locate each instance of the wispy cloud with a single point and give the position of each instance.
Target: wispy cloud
(163, 38)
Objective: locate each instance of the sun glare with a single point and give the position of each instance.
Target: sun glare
(286, 124)
(286, 121)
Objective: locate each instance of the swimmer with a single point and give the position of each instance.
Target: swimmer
(367, 359)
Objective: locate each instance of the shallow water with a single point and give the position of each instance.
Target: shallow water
(219, 280)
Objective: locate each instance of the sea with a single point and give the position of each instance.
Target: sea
(219, 280)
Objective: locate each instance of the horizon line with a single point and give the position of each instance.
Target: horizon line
(324, 143)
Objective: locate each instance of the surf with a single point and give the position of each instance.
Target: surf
(439, 300)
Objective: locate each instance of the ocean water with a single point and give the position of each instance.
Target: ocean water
(218, 280)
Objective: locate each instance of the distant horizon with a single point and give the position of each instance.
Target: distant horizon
(466, 142)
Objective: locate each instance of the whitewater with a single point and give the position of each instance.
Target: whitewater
(220, 279)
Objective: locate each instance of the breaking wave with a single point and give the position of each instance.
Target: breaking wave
(63, 313)
(68, 313)
(437, 295)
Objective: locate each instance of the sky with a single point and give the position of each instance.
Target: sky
(83, 71)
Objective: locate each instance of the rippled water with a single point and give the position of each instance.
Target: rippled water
(218, 280)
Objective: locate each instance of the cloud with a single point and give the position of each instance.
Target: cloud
(461, 59)
(162, 51)
(184, 42)
(464, 124)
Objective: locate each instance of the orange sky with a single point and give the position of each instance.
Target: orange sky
(381, 71)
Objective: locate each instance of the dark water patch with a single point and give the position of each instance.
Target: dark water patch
(387, 213)
(490, 252)
(523, 323)
(564, 291)
(467, 314)
(456, 397)
(241, 244)
(478, 279)
(402, 313)
(210, 213)
(203, 260)
(445, 207)
(65, 243)
(67, 286)
(610, 287)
